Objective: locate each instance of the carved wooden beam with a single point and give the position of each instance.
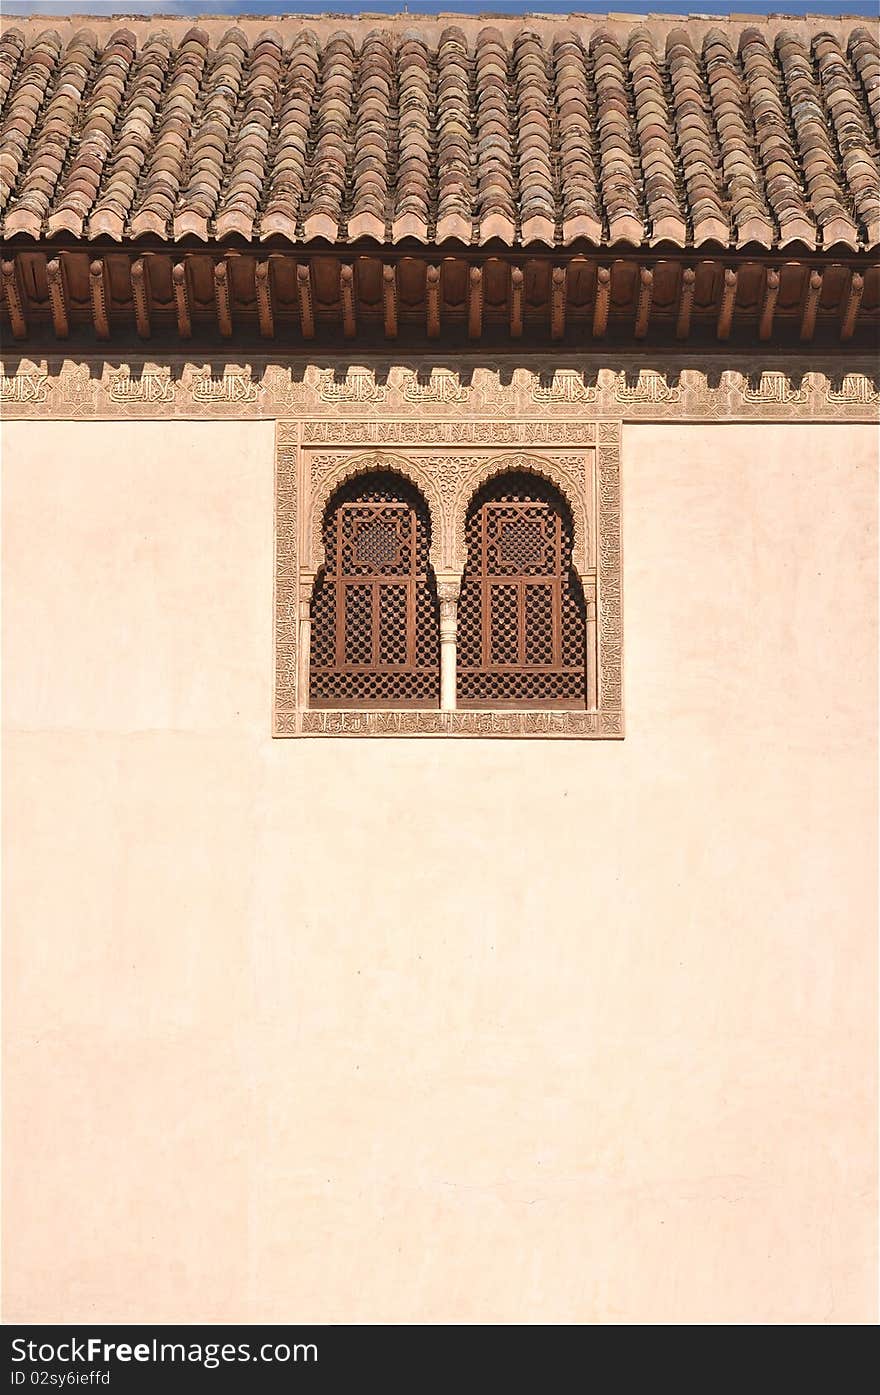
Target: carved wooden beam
(222, 302)
(346, 294)
(140, 294)
(603, 302)
(557, 303)
(306, 301)
(643, 304)
(811, 306)
(432, 297)
(98, 296)
(728, 300)
(848, 314)
(389, 301)
(475, 302)
(685, 303)
(768, 307)
(851, 307)
(517, 277)
(263, 282)
(58, 298)
(181, 300)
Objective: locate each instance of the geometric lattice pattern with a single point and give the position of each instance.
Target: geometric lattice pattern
(521, 614)
(375, 618)
(523, 544)
(376, 543)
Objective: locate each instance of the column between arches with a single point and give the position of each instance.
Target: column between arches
(448, 591)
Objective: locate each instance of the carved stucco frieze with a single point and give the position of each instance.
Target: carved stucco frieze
(74, 393)
(462, 723)
(774, 388)
(423, 431)
(853, 390)
(24, 389)
(650, 389)
(232, 387)
(359, 385)
(432, 395)
(441, 386)
(149, 388)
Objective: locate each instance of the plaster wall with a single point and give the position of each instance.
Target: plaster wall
(429, 1031)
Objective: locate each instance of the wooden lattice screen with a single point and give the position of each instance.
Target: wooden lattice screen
(375, 625)
(521, 616)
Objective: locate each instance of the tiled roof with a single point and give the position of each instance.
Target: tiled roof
(534, 133)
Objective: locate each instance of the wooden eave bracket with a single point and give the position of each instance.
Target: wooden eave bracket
(98, 296)
(305, 297)
(58, 297)
(263, 286)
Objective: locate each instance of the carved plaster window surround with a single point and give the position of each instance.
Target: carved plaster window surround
(583, 472)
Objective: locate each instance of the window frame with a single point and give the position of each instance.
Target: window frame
(484, 578)
(337, 574)
(448, 461)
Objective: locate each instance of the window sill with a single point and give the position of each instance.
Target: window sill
(543, 723)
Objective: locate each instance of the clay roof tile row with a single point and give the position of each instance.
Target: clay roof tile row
(534, 139)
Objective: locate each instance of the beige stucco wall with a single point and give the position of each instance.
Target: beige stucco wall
(426, 1030)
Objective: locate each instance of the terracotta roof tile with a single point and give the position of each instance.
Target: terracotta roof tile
(130, 148)
(698, 146)
(375, 129)
(207, 156)
(534, 111)
(783, 178)
(619, 174)
(289, 170)
(840, 95)
(455, 137)
(863, 52)
(524, 132)
(742, 182)
(655, 137)
(11, 50)
(581, 209)
(412, 192)
(174, 130)
(77, 193)
(332, 135)
(818, 157)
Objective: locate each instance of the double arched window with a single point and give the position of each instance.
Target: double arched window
(375, 622)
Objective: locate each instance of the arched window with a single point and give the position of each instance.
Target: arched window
(521, 615)
(375, 628)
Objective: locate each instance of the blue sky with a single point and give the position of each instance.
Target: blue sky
(277, 7)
